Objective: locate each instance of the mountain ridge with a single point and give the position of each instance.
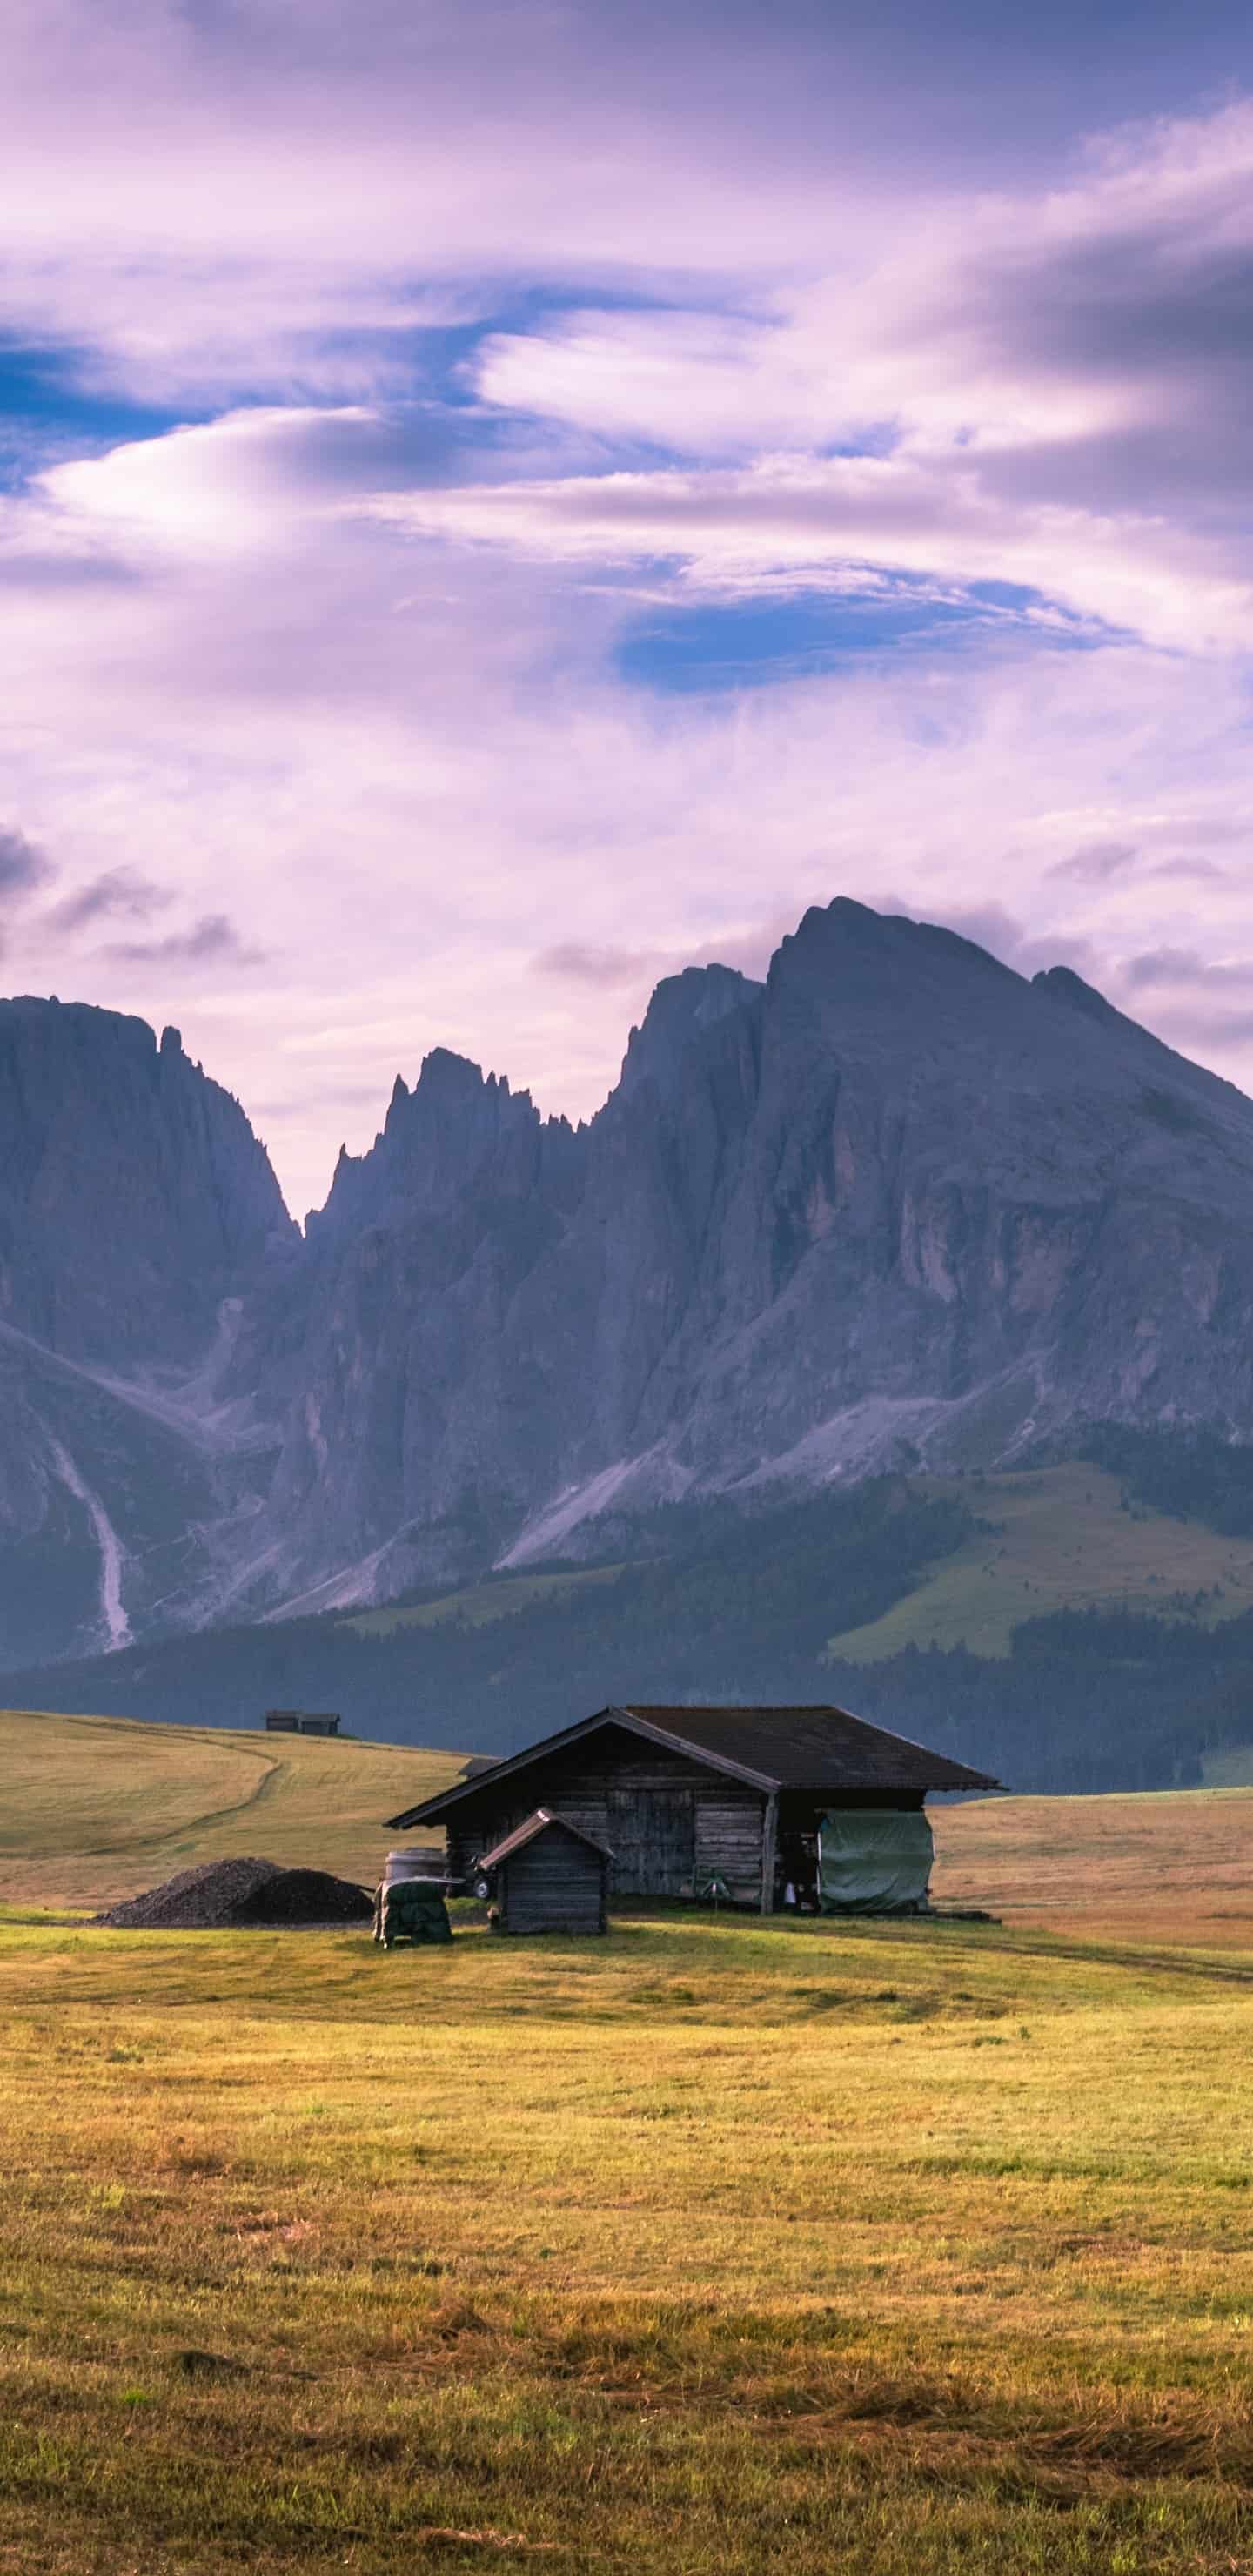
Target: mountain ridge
(894, 1204)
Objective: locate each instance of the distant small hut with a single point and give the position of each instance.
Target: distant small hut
(547, 1876)
(301, 1721)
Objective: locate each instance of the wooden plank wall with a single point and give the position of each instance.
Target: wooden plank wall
(553, 1885)
(727, 1814)
(729, 1818)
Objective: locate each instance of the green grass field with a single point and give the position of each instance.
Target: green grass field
(481, 1604)
(713, 2248)
(1057, 1539)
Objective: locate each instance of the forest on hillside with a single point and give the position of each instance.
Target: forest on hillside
(729, 1608)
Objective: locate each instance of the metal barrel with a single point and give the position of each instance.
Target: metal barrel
(407, 1865)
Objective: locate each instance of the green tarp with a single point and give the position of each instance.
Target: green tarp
(874, 1860)
(411, 1909)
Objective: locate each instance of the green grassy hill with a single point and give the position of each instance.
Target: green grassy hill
(97, 1808)
(1078, 1626)
(479, 1605)
(1059, 1538)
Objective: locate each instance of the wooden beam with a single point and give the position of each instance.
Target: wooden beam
(769, 1846)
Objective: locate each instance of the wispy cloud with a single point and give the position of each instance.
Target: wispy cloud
(213, 940)
(1186, 967)
(1097, 862)
(119, 892)
(578, 963)
(941, 517)
(22, 865)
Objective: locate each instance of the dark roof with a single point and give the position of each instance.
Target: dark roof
(819, 1749)
(540, 1823)
(811, 1748)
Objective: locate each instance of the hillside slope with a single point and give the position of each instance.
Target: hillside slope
(1141, 1685)
(1049, 1539)
(1168, 1868)
(99, 1808)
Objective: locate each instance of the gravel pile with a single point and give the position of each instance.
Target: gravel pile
(225, 1893)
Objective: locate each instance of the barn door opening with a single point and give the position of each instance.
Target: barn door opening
(651, 1833)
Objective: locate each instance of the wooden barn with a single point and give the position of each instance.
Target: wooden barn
(698, 1801)
(301, 1721)
(546, 1876)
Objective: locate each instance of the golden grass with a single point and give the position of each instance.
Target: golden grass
(1167, 1868)
(716, 2246)
(713, 2248)
(1058, 1540)
(95, 1808)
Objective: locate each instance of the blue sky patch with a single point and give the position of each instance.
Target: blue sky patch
(746, 643)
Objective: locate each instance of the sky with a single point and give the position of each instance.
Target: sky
(501, 502)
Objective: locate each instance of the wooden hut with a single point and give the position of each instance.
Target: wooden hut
(695, 1800)
(301, 1721)
(547, 1876)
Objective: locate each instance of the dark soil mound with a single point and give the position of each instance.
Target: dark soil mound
(222, 1893)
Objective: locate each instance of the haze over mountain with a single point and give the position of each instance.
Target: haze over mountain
(894, 1205)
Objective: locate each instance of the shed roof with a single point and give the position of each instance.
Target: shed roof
(540, 1823)
(816, 1747)
(822, 1749)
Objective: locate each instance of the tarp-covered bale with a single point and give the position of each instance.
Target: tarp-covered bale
(874, 1860)
(410, 1909)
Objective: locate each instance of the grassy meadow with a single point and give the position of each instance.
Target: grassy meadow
(95, 1808)
(480, 1605)
(715, 2247)
(1059, 1538)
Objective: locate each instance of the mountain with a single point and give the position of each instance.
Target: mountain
(137, 1214)
(896, 1204)
(133, 1193)
(895, 1208)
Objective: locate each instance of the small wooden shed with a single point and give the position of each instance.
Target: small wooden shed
(547, 1876)
(301, 1721)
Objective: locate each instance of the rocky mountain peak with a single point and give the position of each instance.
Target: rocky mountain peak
(886, 961)
(682, 1009)
(134, 1195)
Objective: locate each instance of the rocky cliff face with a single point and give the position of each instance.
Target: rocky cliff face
(896, 1201)
(893, 1203)
(137, 1213)
(133, 1193)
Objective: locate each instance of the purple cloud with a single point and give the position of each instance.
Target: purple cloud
(1097, 862)
(580, 964)
(213, 940)
(124, 892)
(1186, 966)
(22, 865)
